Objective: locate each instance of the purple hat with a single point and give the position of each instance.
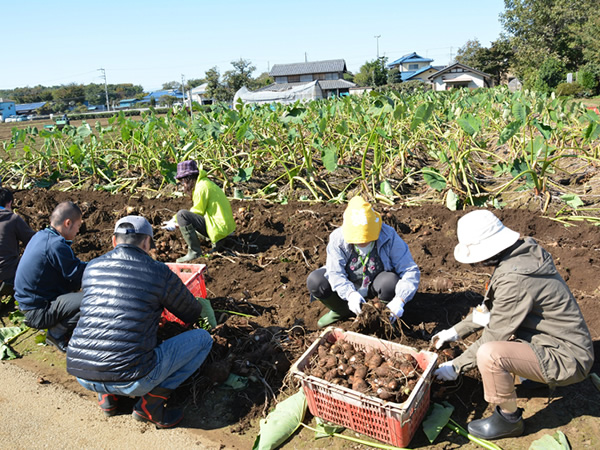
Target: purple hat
(186, 168)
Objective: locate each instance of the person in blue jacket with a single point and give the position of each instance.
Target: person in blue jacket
(365, 259)
(48, 277)
(115, 350)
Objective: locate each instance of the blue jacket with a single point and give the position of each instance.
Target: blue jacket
(394, 254)
(125, 292)
(48, 268)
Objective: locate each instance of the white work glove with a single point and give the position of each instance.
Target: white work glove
(396, 306)
(446, 372)
(355, 301)
(170, 225)
(444, 336)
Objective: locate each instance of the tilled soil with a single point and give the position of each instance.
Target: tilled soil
(256, 283)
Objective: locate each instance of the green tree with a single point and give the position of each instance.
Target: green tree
(94, 94)
(495, 60)
(69, 94)
(194, 82)
(372, 73)
(215, 89)
(552, 72)
(240, 76)
(470, 54)
(171, 85)
(167, 100)
(264, 79)
(539, 29)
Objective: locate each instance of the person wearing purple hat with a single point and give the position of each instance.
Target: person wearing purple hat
(532, 325)
(210, 216)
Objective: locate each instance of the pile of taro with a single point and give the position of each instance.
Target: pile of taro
(368, 372)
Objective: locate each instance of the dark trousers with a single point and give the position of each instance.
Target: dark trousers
(185, 217)
(59, 317)
(383, 286)
(7, 288)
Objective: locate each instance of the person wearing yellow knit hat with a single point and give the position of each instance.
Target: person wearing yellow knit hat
(365, 259)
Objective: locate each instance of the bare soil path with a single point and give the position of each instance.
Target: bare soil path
(37, 413)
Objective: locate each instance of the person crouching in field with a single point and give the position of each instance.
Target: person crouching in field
(48, 278)
(365, 259)
(13, 230)
(210, 216)
(532, 325)
(114, 349)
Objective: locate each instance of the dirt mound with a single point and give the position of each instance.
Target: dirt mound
(257, 284)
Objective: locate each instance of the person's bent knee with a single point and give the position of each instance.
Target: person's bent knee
(318, 285)
(202, 337)
(485, 355)
(385, 286)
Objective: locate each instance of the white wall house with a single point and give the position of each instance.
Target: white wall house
(460, 76)
(301, 81)
(7, 109)
(198, 94)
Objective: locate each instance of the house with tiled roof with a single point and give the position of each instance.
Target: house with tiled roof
(306, 81)
(414, 67)
(458, 75)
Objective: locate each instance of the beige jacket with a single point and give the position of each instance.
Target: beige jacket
(530, 302)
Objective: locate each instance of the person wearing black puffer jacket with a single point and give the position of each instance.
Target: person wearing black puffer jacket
(114, 349)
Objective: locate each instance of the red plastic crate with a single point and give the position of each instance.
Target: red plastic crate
(192, 276)
(390, 422)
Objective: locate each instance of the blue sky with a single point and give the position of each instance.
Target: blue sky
(151, 42)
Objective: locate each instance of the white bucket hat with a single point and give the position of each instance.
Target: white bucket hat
(481, 236)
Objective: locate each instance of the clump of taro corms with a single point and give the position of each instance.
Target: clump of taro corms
(371, 372)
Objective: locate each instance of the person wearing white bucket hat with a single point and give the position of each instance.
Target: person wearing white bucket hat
(365, 259)
(532, 325)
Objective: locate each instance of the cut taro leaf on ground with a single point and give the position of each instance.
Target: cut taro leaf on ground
(438, 417)
(326, 429)
(558, 441)
(6, 335)
(281, 423)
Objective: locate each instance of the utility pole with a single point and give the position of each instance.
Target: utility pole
(377, 37)
(105, 88)
(182, 90)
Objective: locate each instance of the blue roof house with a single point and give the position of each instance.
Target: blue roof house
(128, 103)
(158, 94)
(414, 67)
(24, 109)
(7, 109)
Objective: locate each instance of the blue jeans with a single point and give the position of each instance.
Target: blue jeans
(177, 359)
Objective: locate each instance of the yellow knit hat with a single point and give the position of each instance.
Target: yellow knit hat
(361, 224)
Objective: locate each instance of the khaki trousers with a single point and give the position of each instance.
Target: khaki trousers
(499, 361)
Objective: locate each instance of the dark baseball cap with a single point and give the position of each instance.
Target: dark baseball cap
(134, 224)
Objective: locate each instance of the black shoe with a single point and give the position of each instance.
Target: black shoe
(59, 343)
(496, 426)
(151, 408)
(108, 404)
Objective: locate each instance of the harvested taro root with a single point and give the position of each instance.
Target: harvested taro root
(374, 319)
(368, 371)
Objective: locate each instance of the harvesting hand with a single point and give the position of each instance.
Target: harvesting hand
(170, 225)
(396, 306)
(444, 336)
(446, 372)
(355, 301)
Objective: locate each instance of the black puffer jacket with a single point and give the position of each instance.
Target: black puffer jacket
(125, 292)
